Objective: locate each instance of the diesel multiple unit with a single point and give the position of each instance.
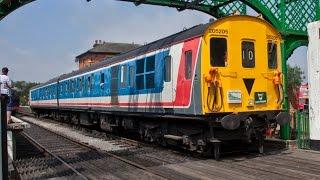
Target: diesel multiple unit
(209, 84)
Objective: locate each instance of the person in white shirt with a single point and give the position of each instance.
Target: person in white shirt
(5, 86)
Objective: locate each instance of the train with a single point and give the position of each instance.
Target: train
(211, 84)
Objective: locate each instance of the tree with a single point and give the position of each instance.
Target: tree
(23, 89)
(295, 78)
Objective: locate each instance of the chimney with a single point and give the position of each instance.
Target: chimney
(95, 43)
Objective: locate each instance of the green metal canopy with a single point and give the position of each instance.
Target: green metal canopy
(7, 6)
(290, 17)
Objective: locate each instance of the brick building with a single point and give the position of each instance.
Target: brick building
(102, 51)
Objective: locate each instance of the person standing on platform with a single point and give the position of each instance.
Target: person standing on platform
(5, 86)
(10, 106)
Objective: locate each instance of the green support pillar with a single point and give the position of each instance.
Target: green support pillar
(285, 129)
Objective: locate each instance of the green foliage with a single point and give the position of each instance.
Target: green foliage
(23, 88)
(295, 78)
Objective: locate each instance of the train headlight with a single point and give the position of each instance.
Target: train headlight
(234, 97)
(250, 102)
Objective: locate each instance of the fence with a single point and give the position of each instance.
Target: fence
(303, 129)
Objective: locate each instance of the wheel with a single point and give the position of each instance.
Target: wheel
(260, 145)
(216, 151)
(260, 148)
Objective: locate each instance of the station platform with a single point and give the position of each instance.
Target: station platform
(280, 143)
(13, 130)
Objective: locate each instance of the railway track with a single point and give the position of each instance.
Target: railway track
(142, 161)
(134, 162)
(65, 170)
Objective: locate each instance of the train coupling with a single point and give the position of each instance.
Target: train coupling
(230, 122)
(283, 118)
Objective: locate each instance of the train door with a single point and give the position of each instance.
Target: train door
(167, 78)
(114, 85)
(186, 74)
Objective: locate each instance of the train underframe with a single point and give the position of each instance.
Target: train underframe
(202, 134)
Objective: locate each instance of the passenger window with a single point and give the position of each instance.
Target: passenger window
(102, 78)
(188, 64)
(74, 85)
(272, 55)
(131, 76)
(88, 82)
(150, 66)
(145, 73)
(69, 86)
(140, 82)
(150, 63)
(61, 89)
(80, 84)
(248, 54)
(150, 81)
(92, 81)
(140, 74)
(218, 52)
(114, 72)
(140, 66)
(123, 78)
(167, 69)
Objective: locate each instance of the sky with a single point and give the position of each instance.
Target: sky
(40, 40)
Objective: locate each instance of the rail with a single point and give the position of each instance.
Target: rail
(129, 162)
(33, 141)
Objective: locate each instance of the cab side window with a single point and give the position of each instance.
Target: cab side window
(272, 55)
(248, 54)
(188, 64)
(218, 52)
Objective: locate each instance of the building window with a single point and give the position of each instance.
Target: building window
(188, 64)
(248, 54)
(218, 52)
(272, 55)
(167, 69)
(123, 78)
